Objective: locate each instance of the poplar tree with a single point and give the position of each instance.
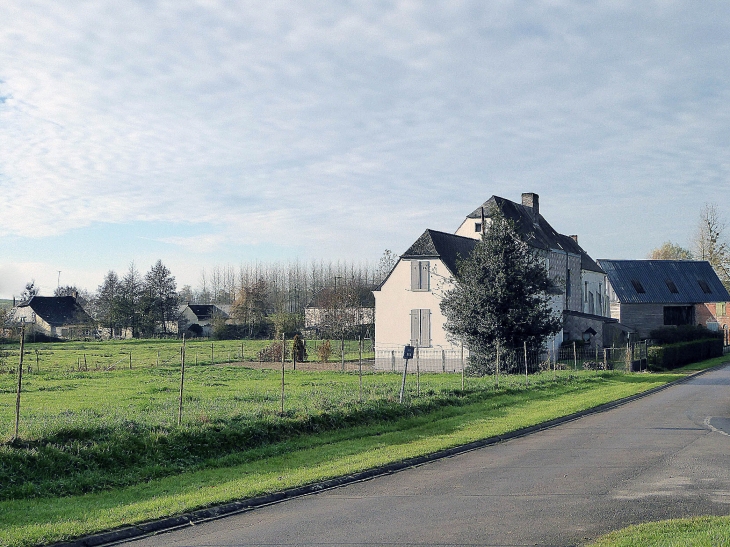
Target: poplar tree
(500, 298)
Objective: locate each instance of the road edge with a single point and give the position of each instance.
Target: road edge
(137, 531)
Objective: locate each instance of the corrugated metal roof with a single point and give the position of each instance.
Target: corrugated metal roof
(664, 281)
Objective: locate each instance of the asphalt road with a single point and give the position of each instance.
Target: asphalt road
(663, 456)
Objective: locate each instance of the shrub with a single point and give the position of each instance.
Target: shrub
(324, 351)
(683, 353)
(683, 333)
(299, 348)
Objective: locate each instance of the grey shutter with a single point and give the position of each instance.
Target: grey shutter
(425, 276)
(415, 326)
(425, 338)
(415, 275)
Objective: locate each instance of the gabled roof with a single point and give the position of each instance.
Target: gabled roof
(205, 312)
(664, 281)
(58, 310)
(448, 247)
(536, 232)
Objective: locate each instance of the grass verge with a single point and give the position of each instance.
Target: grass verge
(693, 532)
(309, 458)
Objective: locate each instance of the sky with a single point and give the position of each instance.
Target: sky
(209, 132)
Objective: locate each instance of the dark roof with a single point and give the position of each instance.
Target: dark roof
(535, 232)
(448, 247)
(664, 281)
(58, 310)
(362, 297)
(206, 311)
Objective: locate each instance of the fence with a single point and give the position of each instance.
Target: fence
(426, 359)
(630, 358)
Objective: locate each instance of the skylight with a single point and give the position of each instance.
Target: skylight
(704, 286)
(671, 286)
(638, 286)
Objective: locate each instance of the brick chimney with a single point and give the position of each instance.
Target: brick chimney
(533, 202)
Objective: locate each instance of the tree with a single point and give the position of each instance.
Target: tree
(29, 291)
(159, 298)
(711, 243)
(500, 298)
(249, 307)
(670, 251)
(131, 293)
(110, 305)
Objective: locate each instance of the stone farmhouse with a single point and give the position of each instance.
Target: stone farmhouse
(407, 309)
(57, 316)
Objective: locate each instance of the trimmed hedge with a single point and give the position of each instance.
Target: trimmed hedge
(683, 333)
(677, 355)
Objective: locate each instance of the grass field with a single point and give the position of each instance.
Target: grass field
(101, 448)
(115, 354)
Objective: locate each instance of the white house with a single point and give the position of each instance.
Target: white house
(57, 316)
(407, 304)
(202, 315)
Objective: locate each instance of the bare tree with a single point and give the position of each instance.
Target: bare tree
(711, 243)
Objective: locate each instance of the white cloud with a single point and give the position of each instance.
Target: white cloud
(346, 128)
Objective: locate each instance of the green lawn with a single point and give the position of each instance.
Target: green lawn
(694, 532)
(115, 354)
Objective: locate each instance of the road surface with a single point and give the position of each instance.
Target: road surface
(663, 456)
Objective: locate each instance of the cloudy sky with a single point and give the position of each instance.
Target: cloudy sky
(219, 132)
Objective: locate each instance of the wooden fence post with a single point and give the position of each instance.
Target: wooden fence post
(20, 380)
(283, 352)
(182, 382)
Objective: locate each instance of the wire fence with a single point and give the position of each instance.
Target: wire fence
(519, 360)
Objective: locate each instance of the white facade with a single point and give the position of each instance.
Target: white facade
(402, 311)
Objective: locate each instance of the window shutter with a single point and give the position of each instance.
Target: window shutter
(415, 275)
(425, 276)
(415, 327)
(425, 338)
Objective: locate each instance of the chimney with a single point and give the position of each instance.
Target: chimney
(533, 202)
(574, 238)
(13, 301)
(75, 294)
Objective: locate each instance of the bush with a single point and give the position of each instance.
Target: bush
(324, 351)
(684, 333)
(683, 353)
(299, 348)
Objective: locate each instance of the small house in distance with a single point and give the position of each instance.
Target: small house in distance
(648, 294)
(56, 316)
(198, 318)
(333, 311)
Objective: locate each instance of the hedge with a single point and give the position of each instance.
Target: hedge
(677, 355)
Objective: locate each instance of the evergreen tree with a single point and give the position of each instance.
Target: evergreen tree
(500, 298)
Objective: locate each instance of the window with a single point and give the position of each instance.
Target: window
(585, 292)
(591, 303)
(720, 308)
(671, 286)
(679, 315)
(638, 286)
(704, 286)
(420, 275)
(421, 328)
(477, 226)
(567, 283)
